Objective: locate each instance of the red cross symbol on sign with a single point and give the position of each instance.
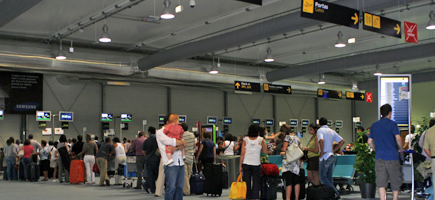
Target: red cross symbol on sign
(411, 32)
(369, 97)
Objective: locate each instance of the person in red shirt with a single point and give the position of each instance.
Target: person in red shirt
(173, 130)
(27, 158)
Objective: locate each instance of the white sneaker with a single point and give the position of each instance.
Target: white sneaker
(170, 162)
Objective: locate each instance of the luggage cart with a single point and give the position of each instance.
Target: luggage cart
(129, 170)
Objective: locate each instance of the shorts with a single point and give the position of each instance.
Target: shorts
(388, 170)
(291, 179)
(53, 163)
(313, 163)
(45, 164)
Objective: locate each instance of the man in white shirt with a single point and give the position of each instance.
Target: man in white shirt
(326, 138)
(174, 172)
(409, 138)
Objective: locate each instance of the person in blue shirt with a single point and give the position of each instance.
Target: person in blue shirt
(384, 138)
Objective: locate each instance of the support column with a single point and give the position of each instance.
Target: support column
(225, 104)
(168, 92)
(274, 113)
(353, 112)
(23, 131)
(316, 109)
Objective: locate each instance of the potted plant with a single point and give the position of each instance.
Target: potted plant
(365, 166)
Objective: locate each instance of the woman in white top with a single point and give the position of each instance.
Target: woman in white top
(250, 163)
(119, 157)
(229, 145)
(290, 170)
(53, 160)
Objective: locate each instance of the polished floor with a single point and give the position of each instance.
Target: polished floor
(13, 190)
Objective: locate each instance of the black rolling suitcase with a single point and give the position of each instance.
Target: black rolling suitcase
(196, 182)
(213, 179)
(225, 184)
(33, 172)
(320, 193)
(269, 187)
(21, 172)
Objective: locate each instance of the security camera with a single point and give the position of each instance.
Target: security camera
(192, 3)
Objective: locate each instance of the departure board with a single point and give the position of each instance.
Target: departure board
(396, 91)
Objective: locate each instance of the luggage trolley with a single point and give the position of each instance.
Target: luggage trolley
(129, 170)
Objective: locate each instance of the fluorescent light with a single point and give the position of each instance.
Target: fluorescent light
(321, 79)
(269, 57)
(351, 40)
(60, 54)
(166, 14)
(105, 38)
(118, 83)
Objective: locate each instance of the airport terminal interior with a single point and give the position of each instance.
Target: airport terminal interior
(112, 68)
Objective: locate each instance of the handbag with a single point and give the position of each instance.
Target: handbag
(238, 189)
(293, 152)
(95, 168)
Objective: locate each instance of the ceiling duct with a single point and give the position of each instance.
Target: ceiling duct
(381, 57)
(262, 30)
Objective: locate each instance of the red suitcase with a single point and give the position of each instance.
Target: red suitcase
(77, 171)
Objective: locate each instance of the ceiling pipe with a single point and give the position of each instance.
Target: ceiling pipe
(381, 57)
(262, 30)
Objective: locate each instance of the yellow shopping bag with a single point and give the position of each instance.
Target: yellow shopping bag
(238, 189)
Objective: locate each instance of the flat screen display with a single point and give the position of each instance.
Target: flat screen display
(256, 121)
(126, 117)
(269, 122)
(396, 91)
(182, 118)
(358, 124)
(1, 115)
(66, 116)
(211, 120)
(293, 122)
(329, 123)
(305, 122)
(228, 120)
(338, 123)
(209, 130)
(106, 117)
(65, 125)
(43, 115)
(161, 119)
(304, 129)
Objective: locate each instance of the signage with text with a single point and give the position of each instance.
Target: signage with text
(256, 121)
(227, 120)
(355, 96)
(66, 116)
(277, 89)
(211, 120)
(329, 94)
(411, 32)
(383, 25)
(269, 122)
(329, 12)
(161, 119)
(369, 97)
(246, 86)
(396, 91)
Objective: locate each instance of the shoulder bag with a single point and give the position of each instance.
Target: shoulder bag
(293, 152)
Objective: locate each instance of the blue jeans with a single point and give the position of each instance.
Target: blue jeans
(251, 172)
(12, 173)
(326, 167)
(174, 182)
(26, 163)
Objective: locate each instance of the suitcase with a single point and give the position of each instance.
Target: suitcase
(213, 179)
(21, 172)
(225, 184)
(320, 193)
(33, 172)
(196, 181)
(77, 171)
(268, 169)
(269, 187)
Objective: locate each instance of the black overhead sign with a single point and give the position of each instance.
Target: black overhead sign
(246, 86)
(383, 25)
(277, 89)
(329, 94)
(356, 96)
(329, 12)
(258, 2)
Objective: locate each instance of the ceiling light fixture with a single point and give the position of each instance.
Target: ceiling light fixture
(214, 69)
(166, 14)
(340, 43)
(105, 38)
(60, 54)
(269, 57)
(321, 79)
(351, 40)
(431, 23)
(378, 71)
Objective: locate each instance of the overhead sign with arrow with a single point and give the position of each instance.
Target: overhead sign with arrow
(277, 89)
(329, 12)
(383, 25)
(355, 96)
(246, 86)
(329, 94)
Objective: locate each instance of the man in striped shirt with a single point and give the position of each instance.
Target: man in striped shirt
(189, 151)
